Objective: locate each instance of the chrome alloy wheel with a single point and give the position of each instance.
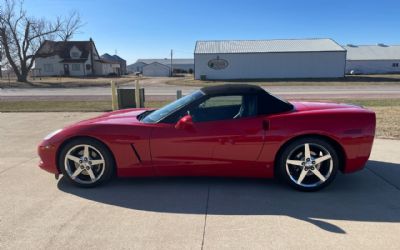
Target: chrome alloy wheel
(84, 164)
(309, 165)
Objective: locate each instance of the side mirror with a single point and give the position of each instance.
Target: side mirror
(185, 123)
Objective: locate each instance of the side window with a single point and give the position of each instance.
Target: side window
(222, 101)
(224, 108)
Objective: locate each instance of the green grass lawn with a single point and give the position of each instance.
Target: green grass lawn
(65, 82)
(64, 106)
(90, 106)
(367, 102)
(350, 80)
(54, 106)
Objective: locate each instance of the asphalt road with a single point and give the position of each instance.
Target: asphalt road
(358, 211)
(388, 91)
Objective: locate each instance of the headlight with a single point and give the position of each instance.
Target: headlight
(52, 134)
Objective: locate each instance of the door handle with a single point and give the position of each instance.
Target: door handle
(265, 125)
(226, 141)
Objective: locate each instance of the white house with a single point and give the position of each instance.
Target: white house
(262, 59)
(72, 58)
(156, 69)
(372, 59)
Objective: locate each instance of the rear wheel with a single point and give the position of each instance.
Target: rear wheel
(308, 164)
(86, 162)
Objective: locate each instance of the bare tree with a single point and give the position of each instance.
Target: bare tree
(1, 60)
(21, 35)
(71, 24)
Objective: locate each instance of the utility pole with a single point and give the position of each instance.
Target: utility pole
(172, 69)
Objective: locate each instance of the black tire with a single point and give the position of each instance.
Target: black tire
(310, 182)
(97, 149)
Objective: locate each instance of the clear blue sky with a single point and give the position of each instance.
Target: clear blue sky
(150, 28)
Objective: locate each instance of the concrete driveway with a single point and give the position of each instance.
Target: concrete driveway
(360, 211)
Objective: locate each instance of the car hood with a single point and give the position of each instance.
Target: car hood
(125, 116)
(89, 127)
(309, 106)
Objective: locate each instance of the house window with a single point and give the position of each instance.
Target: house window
(74, 54)
(48, 68)
(76, 67)
(396, 65)
(88, 67)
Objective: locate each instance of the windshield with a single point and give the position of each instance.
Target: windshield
(165, 111)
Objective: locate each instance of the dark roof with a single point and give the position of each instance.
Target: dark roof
(62, 49)
(232, 89)
(108, 57)
(106, 61)
(118, 58)
(113, 58)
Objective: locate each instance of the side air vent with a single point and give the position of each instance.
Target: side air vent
(136, 153)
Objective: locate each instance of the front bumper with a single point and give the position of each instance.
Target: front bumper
(47, 153)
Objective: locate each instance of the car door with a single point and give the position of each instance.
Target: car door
(177, 152)
(226, 140)
(237, 144)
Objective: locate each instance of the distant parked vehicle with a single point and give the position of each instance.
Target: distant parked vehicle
(355, 72)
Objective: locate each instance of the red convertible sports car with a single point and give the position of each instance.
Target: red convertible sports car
(233, 130)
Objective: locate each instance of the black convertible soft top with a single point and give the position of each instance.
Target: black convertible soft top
(267, 103)
(233, 89)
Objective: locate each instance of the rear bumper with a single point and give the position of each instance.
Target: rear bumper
(355, 165)
(47, 153)
(358, 155)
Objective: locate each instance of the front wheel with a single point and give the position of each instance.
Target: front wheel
(308, 164)
(86, 162)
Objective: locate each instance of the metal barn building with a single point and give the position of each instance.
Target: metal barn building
(372, 59)
(156, 69)
(263, 59)
(179, 65)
